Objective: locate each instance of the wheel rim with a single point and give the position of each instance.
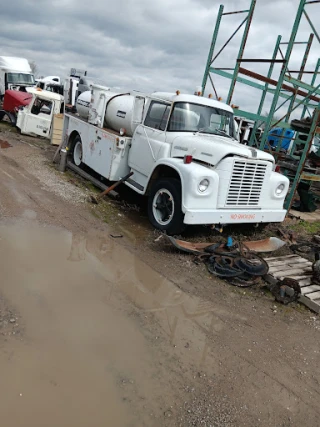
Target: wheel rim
(163, 206)
(77, 154)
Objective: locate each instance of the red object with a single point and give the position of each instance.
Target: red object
(14, 99)
(187, 159)
(277, 169)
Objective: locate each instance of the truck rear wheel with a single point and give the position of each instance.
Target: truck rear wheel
(164, 206)
(77, 151)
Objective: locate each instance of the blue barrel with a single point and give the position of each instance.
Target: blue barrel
(273, 138)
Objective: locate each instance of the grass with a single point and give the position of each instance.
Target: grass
(306, 227)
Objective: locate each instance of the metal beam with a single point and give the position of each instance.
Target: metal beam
(255, 117)
(255, 85)
(265, 91)
(301, 102)
(282, 73)
(229, 40)
(313, 81)
(303, 159)
(233, 13)
(262, 60)
(294, 43)
(241, 50)
(311, 25)
(303, 64)
(276, 83)
(300, 83)
(212, 47)
(305, 72)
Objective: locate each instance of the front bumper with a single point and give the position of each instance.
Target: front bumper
(232, 216)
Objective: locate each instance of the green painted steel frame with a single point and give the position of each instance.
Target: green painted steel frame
(277, 91)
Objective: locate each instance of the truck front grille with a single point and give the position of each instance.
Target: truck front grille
(246, 184)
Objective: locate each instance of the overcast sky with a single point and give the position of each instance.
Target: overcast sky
(147, 44)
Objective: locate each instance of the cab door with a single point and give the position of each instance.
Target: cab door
(149, 139)
(38, 118)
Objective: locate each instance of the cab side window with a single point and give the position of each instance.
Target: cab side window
(158, 114)
(41, 106)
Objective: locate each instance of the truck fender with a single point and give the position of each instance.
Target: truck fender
(190, 175)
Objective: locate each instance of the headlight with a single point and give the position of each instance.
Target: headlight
(203, 185)
(280, 189)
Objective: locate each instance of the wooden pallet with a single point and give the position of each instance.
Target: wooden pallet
(298, 268)
(57, 129)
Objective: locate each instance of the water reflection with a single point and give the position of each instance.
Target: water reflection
(184, 318)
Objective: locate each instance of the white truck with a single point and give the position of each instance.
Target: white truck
(183, 154)
(15, 73)
(36, 118)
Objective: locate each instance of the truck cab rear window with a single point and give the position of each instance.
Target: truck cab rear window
(157, 116)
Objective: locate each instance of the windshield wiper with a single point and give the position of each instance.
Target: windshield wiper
(201, 130)
(223, 132)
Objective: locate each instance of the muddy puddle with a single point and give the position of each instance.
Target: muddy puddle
(84, 358)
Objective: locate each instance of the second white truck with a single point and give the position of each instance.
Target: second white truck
(183, 153)
(15, 73)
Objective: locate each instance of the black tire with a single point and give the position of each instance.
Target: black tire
(173, 225)
(74, 143)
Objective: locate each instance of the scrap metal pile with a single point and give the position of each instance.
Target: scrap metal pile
(234, 262)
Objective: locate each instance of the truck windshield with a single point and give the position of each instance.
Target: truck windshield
(20, 78)
(188, 117)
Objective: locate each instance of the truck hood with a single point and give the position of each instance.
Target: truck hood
(213, 148)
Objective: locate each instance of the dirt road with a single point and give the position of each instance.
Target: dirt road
(97, 331)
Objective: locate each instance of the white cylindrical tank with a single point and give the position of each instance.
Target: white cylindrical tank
(83, 104)
(112, 110)
(119, 113)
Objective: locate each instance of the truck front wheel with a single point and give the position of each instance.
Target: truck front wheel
(164, 206)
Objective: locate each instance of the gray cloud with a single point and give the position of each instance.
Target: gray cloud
(146, 45)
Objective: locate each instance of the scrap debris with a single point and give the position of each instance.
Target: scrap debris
(266, 245)
(4, 144)
(286, 291)
(232, 261)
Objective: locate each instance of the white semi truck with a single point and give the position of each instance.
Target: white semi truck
(15, 73)
(183, 154)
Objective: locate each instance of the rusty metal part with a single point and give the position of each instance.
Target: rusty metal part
(286, 290)
(189, 247)
(305, 246)
(288, 235)
(95, 200)
(4, 144)
(244, 281)
(252, 264)
(273, 82)
(223, 266)
(267, 245)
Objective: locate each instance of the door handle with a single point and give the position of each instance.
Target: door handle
(138, 133)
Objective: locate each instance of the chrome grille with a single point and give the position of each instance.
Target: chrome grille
(246, 184)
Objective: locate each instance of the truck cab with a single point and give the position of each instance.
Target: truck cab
(186, 147)
(36, 118)
(15, 74)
